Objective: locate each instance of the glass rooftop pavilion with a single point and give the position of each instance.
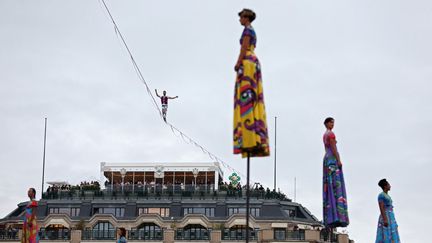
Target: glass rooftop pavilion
(161, 179)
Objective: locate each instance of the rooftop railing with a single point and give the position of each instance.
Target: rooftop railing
(145, 235)
(54, 234)
(62, 234)
(192, 235)
(98, 235)
(236, 234)
(328, 237)
(9, 235)
(158, 191)
(284, 235)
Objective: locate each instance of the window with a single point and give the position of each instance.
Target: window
(54, 232)
(103, 230)
(290, 212)
(72, 212)
(193, 232)
(253, 211)
(117, 212)
(209, 212)
(146, 231)
(232, 211)
(64, 210)
(163, 212)
(75, 212)
(296, 235)
(103, 226)
(279, 233)
(238, 233)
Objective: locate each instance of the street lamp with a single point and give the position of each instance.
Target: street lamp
(123, 174)
(195, 172)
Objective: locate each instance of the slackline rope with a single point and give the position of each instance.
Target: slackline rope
(174, 129)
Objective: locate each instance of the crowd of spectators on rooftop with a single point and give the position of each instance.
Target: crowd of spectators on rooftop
(256, 190)
(64, 187)
(236, 190)
(10, 233)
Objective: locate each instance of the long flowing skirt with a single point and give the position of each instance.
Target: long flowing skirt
(30, 232)
(250, 123)
(390, 233)
(335, 207)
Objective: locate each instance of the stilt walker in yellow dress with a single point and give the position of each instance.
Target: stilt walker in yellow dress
(250, 125)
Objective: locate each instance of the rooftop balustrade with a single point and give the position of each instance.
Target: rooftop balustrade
(9, 235)
(284, 235)
(158, 191)
(89, 234)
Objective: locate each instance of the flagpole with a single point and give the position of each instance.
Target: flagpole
(43, 160)
(275, 156)
(247, 197)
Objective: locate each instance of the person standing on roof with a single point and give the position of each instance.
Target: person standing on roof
(164, 101)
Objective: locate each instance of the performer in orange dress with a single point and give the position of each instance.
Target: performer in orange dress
(30, 229)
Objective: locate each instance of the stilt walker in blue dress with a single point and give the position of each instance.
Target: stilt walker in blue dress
(387, 231)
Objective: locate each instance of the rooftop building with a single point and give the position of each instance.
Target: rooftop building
(166, 202)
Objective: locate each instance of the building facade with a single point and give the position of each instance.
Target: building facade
(169, 202)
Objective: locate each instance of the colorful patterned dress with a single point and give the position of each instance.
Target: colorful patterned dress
(30, 233)
(390, 233)
(250, 125)
(335, 208)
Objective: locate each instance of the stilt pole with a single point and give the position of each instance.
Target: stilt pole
(247, 197)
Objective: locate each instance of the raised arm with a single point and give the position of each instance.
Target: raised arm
(157, 93)
(244, 47)
(175, 97)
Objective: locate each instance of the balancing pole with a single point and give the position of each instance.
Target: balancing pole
(247, 197)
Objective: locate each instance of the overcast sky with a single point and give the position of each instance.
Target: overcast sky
(366, 63)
